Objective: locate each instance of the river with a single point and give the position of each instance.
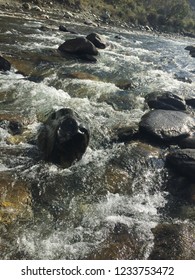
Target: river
(105, 205)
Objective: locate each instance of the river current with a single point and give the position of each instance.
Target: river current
(116, 187)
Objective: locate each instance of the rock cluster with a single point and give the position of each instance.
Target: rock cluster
(168, 124)
(84, 48)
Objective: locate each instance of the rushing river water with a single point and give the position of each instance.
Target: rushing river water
(106, 205)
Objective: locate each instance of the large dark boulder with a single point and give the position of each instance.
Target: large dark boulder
(166, 125)
(165, 101)
(78, 46)
(62, 139)
(182, 161)
(97, 40)
(5, 65)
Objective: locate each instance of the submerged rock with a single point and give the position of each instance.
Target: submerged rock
(82, 76)
(165, 101)
(173, 242)
(15, 199)
(183, 161)
(62, 138)
(5, 65)
(97, 40)
(125, 84)
(121, 244)
(79, 46)
(167, 126)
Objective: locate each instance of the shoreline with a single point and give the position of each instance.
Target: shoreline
(59, 12)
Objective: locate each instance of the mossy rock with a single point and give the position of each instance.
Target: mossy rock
(15, 199)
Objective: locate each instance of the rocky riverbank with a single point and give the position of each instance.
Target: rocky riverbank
(90, 15)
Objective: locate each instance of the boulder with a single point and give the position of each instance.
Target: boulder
(192, 53)
(125, 84)
(63, 28)
(165, 101)
(121, 244)
(97, 40)
(173, 242)
(5, 65)
(182, 161)
(169, 126)
(90, 23)
(190, 102)
(62, 139)
(190, 48)
(78, 46)
(188, 142)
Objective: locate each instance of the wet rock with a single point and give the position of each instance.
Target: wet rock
(126, 134)
(121, 244)
(81, 47)
(82, 76)
(166, 126)
(63, 28)
(98, 40)
(165, 101)
(117, 180)
(88, 57)
(15, 199)
(188, 142)
(173, 242)
(192, 53)
(26, 6)
(183, 79)
(13, 127)
(183, 162)
(90, 23)
(5, 65)
(62, 138)
(191, 49)
(125, 85)
(190, 102)
(135, 156)
(118, 37)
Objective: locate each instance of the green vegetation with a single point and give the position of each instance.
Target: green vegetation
(167, 15)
